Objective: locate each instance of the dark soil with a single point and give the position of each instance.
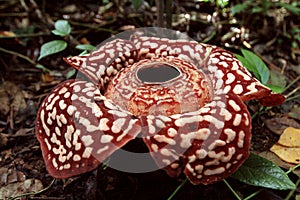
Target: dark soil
(24, 86)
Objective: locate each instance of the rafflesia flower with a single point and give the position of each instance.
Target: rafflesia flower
(185, 99)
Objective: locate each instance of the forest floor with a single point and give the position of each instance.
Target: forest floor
(26, 25)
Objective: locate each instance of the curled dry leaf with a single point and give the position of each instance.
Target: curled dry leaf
(18, 188)
(278, 124)
(288, 146)
(12, 98)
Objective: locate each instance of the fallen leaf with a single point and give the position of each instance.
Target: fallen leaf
(279, 124)
(16, 189)
(3, 139)
(288, 154)
(288, 146)
(290, 137)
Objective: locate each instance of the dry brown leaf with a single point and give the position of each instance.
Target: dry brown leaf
(279, 124)
(290, 137)
(15, 189)
(288, 154)
(288, 146)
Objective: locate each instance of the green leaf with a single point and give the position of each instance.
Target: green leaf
(238, 8)
(42, 67)
(256, 65)
(71, 73)
(62, 28)
(261, 172)
(277, 82)
(52, 47)
(87, 47)
(137, 3)
(292, 8)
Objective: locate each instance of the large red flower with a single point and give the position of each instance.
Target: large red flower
(184, 98)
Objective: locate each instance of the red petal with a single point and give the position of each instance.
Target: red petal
(78, 128)
(209, 144)
(237, 79)
(104, 63)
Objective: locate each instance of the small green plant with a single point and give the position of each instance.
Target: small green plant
(63, 29)
(255, 65)
(261, 172)
(263, 6)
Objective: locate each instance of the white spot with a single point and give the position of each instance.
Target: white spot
(63, 90)
(241, 139)
(209, 172)
(238, 89)
(162, 138)
(99, 151)
(172, 132)
(76, 88)
(47, 143)
(117, 113)
(227, 88)
(235, 106)
(252, 88)
(230, 134)
(106, 138)
(224, 112)
(117, 125)
(230, 78)
(202, 134)
(235, 66)
(68, 135)
(201, 153)
(192, 158)
(167, 152)
(87, 140)
(67, 95)
(218, 124)
(246, 119)
(216, 143)
(189, 167)
(50, 106)
(71, 109)
(154, 147)
(187, 120)
(239, 156)
(187, 139)
(74, 97)
(76, 143)
(87, 152)
(159, 123)
(174, 165)
(237, 120)
(103, 124)
(54, 163)
(129, 130)
(231, 152)
(67, 166)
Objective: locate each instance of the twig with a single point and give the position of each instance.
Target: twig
(33, 193)
(169, 13)
(292, 83)
(177, 189)
(232, 190)
(160, 13)
(290, 194)
(19, 55)
(25, 35)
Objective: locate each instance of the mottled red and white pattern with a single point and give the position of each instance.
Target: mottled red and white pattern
(196, 123)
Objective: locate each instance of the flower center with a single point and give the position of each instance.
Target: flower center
(160, 86)
(157, 73)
